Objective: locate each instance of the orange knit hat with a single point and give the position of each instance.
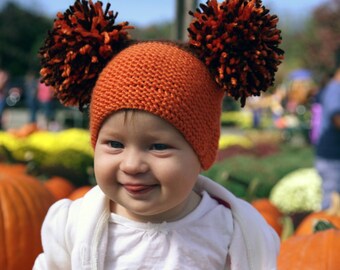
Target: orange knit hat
(165, 80)
(233, 48)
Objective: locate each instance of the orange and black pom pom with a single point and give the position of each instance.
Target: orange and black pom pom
(82, 41)
(238, 40)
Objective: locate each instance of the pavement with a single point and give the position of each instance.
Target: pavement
(17, 117)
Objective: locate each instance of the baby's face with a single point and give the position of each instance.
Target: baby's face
(145, 166)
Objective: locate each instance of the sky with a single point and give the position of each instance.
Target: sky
(146, 12)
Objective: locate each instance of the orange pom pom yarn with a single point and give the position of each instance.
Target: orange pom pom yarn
(165, 80)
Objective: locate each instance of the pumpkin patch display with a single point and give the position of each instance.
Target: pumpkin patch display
(24, 202)
(331, 215)
(317, 251)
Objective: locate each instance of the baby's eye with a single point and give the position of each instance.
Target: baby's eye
(159, 146)
(115, 144)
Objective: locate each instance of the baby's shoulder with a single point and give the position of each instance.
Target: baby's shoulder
(212, 208)
(64, 209)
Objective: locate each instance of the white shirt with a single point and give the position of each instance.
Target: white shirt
(198, 241)
(75, 234)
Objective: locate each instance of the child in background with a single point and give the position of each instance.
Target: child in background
(45, 98)
(155, 111)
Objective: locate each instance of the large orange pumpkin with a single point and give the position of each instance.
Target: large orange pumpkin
(270, 213)
(24, 202)
(318, 251)
(60, 187)
(332, 215)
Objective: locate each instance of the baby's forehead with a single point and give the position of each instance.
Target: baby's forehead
(132, 115)
(138, 118)
(140, 122)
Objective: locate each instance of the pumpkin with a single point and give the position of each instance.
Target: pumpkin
(270, 213)
(332, 215)
(318, 251)
(12, 168)
(60, 187)
(79, 192)
(24, 131)
(24, 203)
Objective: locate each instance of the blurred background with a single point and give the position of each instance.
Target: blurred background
(260, 143)
(266, 150)
(310, 31)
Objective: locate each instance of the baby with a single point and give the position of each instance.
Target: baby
(155, 111)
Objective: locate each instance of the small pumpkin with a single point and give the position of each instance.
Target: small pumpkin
(270, 213)
(24, 203)
(79, 192)
(332, 215)
(24, 131)
(12, 168)
(317, 251)
(60, 187)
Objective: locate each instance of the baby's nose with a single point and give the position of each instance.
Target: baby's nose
(134, 162)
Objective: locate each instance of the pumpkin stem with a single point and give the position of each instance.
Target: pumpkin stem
(288, 228)
(323, 225)
(252, 188)
(334, 209)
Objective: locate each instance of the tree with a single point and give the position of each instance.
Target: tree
(153, 32)
(21, 35)
(322, 39)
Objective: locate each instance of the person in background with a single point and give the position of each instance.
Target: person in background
(45, 99)
(315, 119)
(327, 160)
(4, 79)
(155, 109)
(31, 89)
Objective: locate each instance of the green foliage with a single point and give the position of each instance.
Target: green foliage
(71, 164)
(154, 32)
(26, 153)
(323, 41)
(227, 140)
(241, 119)
(67, 153)
(252, 177)
(312, 41)
(21, 34)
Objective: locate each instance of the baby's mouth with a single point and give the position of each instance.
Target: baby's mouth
(138, 189)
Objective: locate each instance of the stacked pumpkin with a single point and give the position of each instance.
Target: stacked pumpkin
(315, 243)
